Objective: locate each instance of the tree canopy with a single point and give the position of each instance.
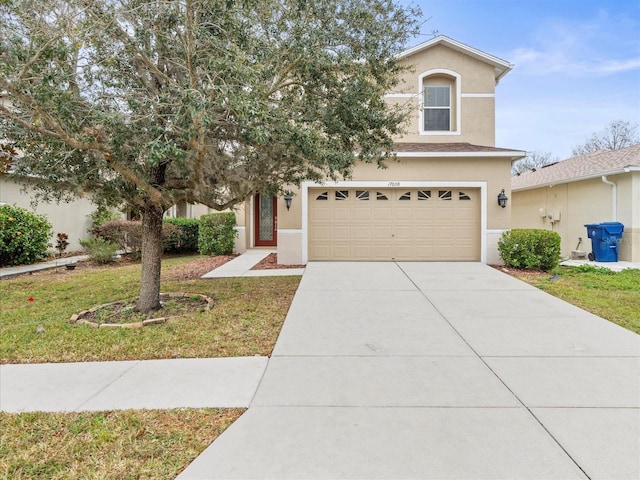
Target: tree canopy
(534, 159)
(146, 103)
(618, 134)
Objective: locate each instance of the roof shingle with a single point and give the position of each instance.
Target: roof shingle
(591, 165)
(446, 148)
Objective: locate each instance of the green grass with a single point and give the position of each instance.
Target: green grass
(131, 444)
(245, 320)
(611, 295)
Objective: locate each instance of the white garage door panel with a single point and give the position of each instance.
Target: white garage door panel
(394, 224)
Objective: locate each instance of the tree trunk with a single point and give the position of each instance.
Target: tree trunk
(151, 259)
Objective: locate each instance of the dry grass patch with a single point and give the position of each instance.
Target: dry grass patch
(132, 444)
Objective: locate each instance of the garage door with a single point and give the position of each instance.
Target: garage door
(394, 224)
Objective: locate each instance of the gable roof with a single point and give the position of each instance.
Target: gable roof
(502, 67)
(583, 167)
(406, 149)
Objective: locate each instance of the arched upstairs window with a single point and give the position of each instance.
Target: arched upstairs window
(439, 102)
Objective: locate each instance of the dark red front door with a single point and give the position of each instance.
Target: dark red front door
(265, 220)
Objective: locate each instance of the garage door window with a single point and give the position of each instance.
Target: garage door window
(463, 196)
(381, 196)
(362, 194)
(342, 194)
(424, 194)
(405, 196)
(444, 194)
(323, 196)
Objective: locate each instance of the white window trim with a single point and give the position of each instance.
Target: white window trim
(478, 95)
(386, 185)
(458, 96)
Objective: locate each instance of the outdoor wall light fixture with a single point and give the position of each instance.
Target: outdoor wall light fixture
(287, 200)
(502, 199)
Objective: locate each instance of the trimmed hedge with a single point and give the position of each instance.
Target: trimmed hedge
(182, 239)
(530, 248)
(24, 236)
(217, 233)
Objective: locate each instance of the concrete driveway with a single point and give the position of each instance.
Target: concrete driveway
(436, 370)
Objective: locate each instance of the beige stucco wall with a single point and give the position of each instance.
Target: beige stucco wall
(578, 203)
(478, 77)
(70, 218)
(476, 124)
(494, 172)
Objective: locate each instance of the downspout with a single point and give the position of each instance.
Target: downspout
(614, 198)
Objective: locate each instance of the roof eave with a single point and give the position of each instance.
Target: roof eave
(512, 154)
(592, 176)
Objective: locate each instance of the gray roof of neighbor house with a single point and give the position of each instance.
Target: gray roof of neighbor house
(583, 167)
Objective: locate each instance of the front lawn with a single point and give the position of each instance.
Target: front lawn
(134, 444)
(611, 295)
(131, 444)
(245, 320)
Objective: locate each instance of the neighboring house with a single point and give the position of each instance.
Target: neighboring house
(70, 218)
(437, 202)
(603, 186)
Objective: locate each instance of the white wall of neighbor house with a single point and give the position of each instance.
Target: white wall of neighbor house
(567, 207)
(71, 218)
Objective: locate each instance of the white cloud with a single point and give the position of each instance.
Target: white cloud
(603, 45)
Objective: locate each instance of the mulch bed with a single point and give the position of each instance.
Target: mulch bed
(196, 268)
(521, 272)
(271, 263)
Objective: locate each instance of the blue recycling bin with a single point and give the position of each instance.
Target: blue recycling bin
(605, 238)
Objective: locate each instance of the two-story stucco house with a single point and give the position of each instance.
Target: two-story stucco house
(437, 202)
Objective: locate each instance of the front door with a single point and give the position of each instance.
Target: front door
(265, 220)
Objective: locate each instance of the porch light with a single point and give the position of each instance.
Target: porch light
(287, 200)
(502, 199)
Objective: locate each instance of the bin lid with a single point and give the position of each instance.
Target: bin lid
(613, 228)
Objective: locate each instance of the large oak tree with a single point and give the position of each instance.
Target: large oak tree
(146, 103)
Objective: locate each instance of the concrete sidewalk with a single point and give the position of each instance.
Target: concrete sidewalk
(8, 272)
(433, 370)
(241, 266)
(93, 386)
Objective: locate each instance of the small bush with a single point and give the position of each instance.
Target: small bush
(217, 234)
(24, 236)
(62, 242)
(100, 250)
(126, 234)
(185, 239)
(99, 216)
(530, 248)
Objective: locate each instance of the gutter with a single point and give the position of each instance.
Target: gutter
(614, 197)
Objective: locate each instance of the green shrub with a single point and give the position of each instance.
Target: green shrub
(185, 239)
(100, 250)
(217, 234)
(99, 216)
(24, 236)
(530, 248)
(126, 234)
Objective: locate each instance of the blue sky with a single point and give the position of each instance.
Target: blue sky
(577, 64)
